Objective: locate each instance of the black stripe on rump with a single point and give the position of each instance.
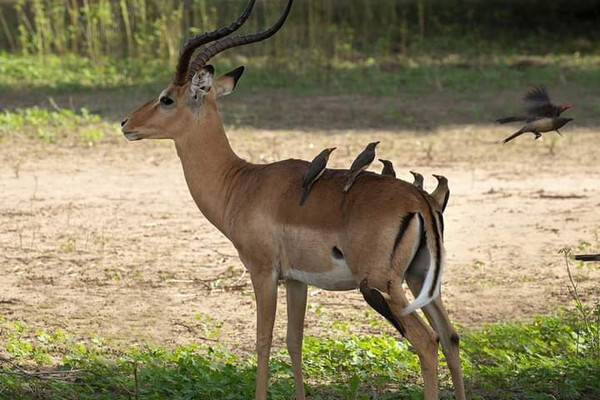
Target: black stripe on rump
(375, 299)
(401, 231)
(438, 245)
(438, 250)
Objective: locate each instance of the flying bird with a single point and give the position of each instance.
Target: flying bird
(537, 105)
(587, 257)
(540, 125)
(418, 181)
(541, 115)
(362, 162)
(441, 194)
(314, 171)
(388, 168)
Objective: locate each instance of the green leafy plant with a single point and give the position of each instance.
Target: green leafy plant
(51, 125)
(537, 360)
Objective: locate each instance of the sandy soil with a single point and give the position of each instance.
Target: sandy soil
(107, 240)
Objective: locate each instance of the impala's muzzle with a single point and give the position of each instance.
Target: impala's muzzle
(130, 135)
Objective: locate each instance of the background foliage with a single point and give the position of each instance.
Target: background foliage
(320, 31)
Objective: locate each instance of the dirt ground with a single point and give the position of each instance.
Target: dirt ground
(106, 239)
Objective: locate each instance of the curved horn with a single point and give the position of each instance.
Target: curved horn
(226, 43)
(194, 42)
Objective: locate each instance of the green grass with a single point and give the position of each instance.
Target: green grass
(416, 75)
(53, 125)
(545, 359)
(72, 73)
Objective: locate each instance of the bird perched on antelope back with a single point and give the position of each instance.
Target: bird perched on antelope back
(388, 168)
(418, 181)
(441, 194)
(314, 171)
(540, 115)
(362, 162)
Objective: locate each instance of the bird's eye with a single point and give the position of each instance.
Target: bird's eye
(166, 101)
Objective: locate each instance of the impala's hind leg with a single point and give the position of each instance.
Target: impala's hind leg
(381, 286)
(421, 336)
(424, 340)
(438, 318)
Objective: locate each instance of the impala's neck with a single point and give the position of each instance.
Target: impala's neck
(209, 165)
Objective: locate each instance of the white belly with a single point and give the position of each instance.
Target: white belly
(337, 278)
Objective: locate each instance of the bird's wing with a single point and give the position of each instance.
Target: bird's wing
(445, 202)
(314, 170)
(362, 161)
(538, 104)
(506, 120)
(537, 95)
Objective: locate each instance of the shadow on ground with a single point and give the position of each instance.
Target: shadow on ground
(281, 109)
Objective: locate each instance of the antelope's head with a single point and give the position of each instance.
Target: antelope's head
(191, 97)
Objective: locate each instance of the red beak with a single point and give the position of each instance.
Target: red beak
(566, 106)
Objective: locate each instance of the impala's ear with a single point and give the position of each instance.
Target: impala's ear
(202, 81)
(225, 83)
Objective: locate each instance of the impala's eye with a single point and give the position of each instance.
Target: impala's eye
(166, 101)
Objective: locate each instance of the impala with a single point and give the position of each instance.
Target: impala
(382, 232)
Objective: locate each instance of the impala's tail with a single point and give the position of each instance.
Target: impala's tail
(432, 239)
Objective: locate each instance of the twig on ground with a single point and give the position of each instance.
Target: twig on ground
(42, 375)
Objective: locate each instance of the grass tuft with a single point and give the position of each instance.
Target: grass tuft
(52, 125)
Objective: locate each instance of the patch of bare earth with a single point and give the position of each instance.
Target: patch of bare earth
(107, 239)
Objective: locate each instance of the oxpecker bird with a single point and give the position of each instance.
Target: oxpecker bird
(540, 125)
(537, 105)
(388, 168)
(314, 171)
(362, 162)
(418, 182)
(441, 194)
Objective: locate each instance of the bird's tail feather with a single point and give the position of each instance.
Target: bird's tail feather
(509, 119)
(514, 135)
(304, 196)
(350, 181)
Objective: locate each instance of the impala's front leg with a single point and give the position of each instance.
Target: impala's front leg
(296, 307)
(265, 290)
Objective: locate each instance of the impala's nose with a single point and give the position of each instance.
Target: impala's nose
(124, 122)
